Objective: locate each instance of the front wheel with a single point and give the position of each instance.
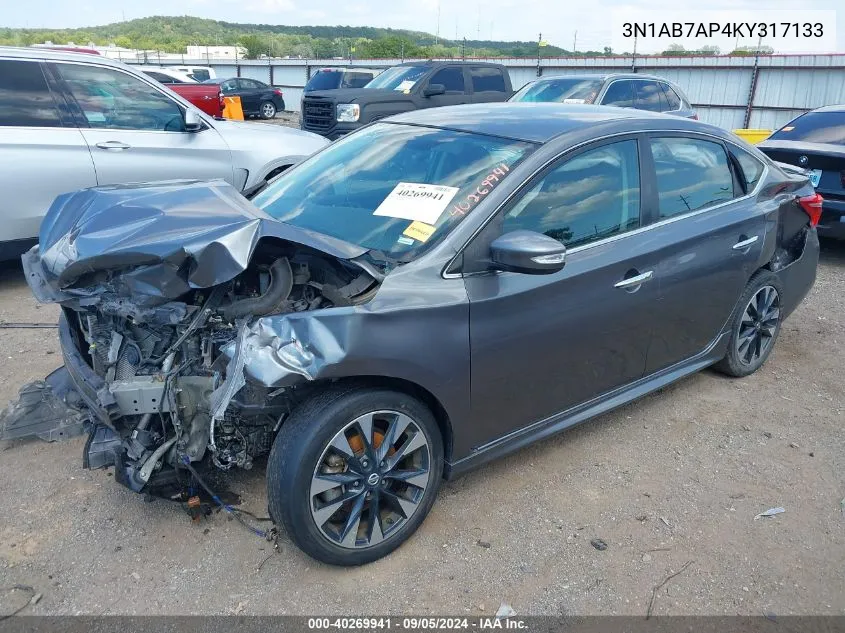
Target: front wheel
(755, 326)
(353, 473)
(267, 110)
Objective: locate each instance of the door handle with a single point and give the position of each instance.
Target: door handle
(113, 145)
(745, 243)
(630, 282)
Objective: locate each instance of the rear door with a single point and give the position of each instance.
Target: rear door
(42, 153)
(712, 232)
(488, 84)
(452, 78)
(136, 132)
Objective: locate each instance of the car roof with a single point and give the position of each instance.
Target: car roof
(537, 122)
(603, 76)
(53, 54)
(831, 108)
(448, 62)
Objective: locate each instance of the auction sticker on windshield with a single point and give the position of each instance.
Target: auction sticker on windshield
(416, 201)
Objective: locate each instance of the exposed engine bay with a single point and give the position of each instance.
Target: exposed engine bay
(165, 370)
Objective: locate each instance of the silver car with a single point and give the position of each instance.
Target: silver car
(623, 90)
(74, 120)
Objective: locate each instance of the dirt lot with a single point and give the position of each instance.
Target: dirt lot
(676, 477)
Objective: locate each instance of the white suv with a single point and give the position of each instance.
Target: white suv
(72, 120)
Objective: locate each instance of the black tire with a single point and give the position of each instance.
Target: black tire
(300, 450)
(741, 360)
(267, 110)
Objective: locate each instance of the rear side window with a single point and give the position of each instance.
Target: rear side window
(752, 169)
(251, 84)
(324, 80)
(161, 77)
(584, 199)
(691, 174)
(814, 127)
(671, 96)
(25, 98)
(486, 79)
(649, 96)
(620, 94)
(452, 79)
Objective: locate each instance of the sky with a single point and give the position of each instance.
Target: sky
(491, 19)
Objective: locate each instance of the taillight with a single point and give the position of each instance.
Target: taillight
(812, 206)
(277, 91)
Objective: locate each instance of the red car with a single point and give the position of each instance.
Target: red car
(207, 97)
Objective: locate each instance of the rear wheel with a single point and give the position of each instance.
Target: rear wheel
(267, 110)
(353, 473)
(755, 326)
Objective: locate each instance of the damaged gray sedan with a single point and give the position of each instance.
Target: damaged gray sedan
(436, 290)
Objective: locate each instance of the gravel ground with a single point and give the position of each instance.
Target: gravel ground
(678, 476)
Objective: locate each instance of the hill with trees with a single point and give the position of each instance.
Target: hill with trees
(173, 33)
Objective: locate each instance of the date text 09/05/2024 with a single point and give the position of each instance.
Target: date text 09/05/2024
(416, 623)
(726, 29)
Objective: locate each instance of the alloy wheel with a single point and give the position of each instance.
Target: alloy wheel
(370, 479)
(268, 110)
(758, 325)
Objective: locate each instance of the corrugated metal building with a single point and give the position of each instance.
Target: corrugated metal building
(731, 92)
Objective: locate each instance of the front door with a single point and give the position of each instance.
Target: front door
(137, 133)
(250, 92)
(542, 344)
(452, 79)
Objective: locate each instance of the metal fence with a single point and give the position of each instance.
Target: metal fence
(731, 92)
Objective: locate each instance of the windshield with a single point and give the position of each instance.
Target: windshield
(396, 189)
(814, 127)
(559, 90)
(398, 78)
(324, 80)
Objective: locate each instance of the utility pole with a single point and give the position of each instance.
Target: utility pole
(539, 48)
(575, 42)
(437, 37)
(478, 26)
(464, 49)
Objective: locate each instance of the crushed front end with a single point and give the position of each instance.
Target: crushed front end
(164, 292)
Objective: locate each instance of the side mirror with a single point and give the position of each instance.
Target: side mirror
(193, 122)
(434, 89)
(528, 252)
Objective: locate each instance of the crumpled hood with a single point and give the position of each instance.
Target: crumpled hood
(165, 239)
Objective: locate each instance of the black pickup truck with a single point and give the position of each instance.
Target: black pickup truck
(409, 86)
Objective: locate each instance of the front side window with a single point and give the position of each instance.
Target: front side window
(691, 174)
(620, 94)
(485, 79)
(560, 90)
(113, 99)
(451, 78)
(342, 191)
(230, 85)
(649, 96)
(586, 198)
(398, 78)
(25, 99)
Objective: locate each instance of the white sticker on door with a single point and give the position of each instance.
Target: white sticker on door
(416, 201)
